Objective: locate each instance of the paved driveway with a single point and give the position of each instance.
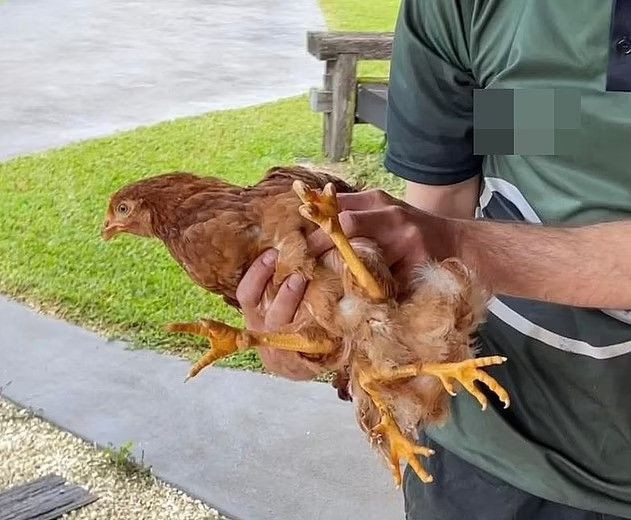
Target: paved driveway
(75, 69)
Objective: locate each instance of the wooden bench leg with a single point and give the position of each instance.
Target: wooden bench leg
(327, 111)
(338, 123)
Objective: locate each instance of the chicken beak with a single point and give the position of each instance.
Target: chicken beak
(109, 231)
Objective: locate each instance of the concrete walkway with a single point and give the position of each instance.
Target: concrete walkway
(74, 69)
(253, 446)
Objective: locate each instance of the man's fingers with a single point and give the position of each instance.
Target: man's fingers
(351, 221)
(318, 242)
(377, 224)
(253, 283)
(282, 310)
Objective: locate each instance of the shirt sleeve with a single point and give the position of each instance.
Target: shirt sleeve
(430, 95)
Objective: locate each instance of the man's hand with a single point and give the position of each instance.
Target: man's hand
(580, 266)
(281, 312)
(406, 235)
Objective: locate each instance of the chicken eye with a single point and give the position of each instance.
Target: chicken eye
(122, 208)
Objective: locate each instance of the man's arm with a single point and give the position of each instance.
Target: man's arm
(453, 200)
(586, 266)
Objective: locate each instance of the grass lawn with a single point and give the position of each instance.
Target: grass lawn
(355, 15)
(52, 206)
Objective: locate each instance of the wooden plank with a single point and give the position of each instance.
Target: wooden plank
(41, 501)
(46, 498)
(8, 496)
(365, 45)
(372, 104)
(342, 116)
(320, 100)
(328, 117)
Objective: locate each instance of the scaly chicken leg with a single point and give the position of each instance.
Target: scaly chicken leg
(323, 210)
(400, 447)
(465, 372)
(226, 340)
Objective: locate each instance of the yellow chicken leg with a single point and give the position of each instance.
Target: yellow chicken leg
(467, 373)
(402, 448)
(226, 340)
(322, 209)
(399, 446)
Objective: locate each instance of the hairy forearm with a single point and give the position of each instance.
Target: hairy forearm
(586, 266)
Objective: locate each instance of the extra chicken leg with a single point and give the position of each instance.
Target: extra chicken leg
(226, 340)
(399, 446)
(465, 372)
(323, 210)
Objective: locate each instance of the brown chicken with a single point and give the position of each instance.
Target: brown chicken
(397, 357)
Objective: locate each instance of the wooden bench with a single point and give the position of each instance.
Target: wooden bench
(345, 99)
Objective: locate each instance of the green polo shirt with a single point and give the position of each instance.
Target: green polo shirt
(534, 95)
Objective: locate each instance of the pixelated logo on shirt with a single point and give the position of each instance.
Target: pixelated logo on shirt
(544, 121)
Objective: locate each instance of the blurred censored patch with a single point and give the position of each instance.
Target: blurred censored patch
(526, 121)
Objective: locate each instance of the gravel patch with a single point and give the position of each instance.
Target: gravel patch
(31, 448)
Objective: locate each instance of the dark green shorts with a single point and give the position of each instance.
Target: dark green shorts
(461, 491)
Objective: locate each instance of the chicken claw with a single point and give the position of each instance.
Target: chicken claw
(466, 373)
(401, 448)
(223, 338)
(319, 208)
(226, 340)
(322, 209)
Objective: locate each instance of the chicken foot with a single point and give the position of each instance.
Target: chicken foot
(322, 209)
(226, 340)
(399, 446)
(465, 372)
